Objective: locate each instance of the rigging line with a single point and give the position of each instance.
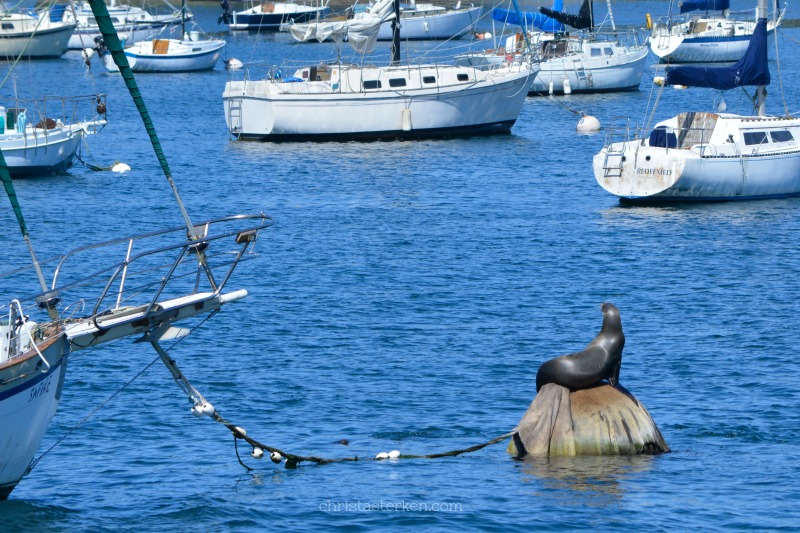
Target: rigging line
(87, 417)
(780, 75)
(104, 402)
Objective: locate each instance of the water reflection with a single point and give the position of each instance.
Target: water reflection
(595, 480)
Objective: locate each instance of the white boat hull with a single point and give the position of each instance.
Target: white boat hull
(175, 56)
(724, 40)
(716, 170)
(450, 24)
(40, 151)
(619, 71)
(27, 404)
(42, 44)
(275, 110)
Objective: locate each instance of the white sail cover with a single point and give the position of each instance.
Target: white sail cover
(361, 30)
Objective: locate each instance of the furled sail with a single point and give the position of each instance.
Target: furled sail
(543, 22)
(581, 21)
(704, 5)
(751, 69)
(361, 31)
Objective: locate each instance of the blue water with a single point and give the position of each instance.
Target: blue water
(404, 300)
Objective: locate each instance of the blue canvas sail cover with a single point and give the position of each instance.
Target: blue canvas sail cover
(582, 21)
(704, 5)
(751, 69)
(543, 22)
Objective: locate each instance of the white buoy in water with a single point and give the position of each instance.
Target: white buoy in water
(567, 86)
(382, 455)
(679, 87)
(276, 457)
(257, 453)
(394, 454)
(208, 409)
(659, 80)
(196, 411)
(588, 124)
(233, 64)
(120, 167)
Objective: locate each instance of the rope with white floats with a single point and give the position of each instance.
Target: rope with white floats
(201, 407)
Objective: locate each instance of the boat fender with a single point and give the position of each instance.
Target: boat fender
(567, 86)
(649, 21)
(257, 452)
(276, 457)
(550, 90)
(406, 119)
(659, 80)
(101, 107)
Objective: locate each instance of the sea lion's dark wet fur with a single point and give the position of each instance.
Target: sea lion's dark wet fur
(600, 360)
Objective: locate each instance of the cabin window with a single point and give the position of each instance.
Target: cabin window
(429, 79)
(8, 26)
(608, 51)
(781, 136)
(755, 137)
(372, 84)
(463, 77)
(596, 52)
(397, 82)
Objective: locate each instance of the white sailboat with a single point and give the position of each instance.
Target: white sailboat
(32, 35)
(591, 61)
(133, 23)
(188, 54)
(709, 156)
(141, 285)
(340, 101)
(715, 35)
(40, 146)
(418, 21)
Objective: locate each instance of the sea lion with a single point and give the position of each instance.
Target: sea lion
(600, 360)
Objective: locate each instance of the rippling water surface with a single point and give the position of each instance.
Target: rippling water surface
(404, 300)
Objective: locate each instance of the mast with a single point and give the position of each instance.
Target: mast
(761, 90)
(396, 34)
(610, 16)
(183, 19)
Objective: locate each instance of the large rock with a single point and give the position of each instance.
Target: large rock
(599, 420)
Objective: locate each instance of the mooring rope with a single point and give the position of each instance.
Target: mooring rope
(96, 167)
(291, 460)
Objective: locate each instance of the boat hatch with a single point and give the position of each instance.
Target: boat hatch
(463, 77)
(429, 79)
(695, 128)
(372, 84)
(397, 82)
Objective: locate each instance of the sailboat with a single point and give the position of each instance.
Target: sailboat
(148, 283)
(42, 145)
(593, 61)
(418, 21)
(709, 156)
(714, 35)
(270, 16)
(341, 101)
(190, 53)
(32, 35)
(133, 23)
